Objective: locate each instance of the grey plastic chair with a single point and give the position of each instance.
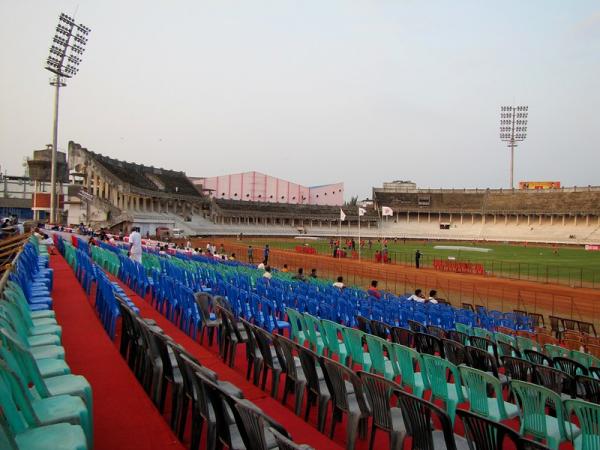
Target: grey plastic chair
(386, 415)
(348, 397)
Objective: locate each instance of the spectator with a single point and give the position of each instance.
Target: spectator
(373, 291)
(339, 283)
(232, 257)
(417, 258)
(377, 256)
(262, 265)
(417, 296)
(135, 241)
(313, 273)
(384, 253)
(266, 252)
(250, 254)
(285, 268)
(222, 249)
(268, 275)
(300, 275)
(48, 242)
(433, 297)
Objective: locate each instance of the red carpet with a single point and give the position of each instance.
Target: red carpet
(124, 416)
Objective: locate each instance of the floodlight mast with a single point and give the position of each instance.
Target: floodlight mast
(68, 42)
(513, 129)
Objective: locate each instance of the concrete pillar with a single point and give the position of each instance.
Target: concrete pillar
(517, 219)
(552, 219)
(418, 217)
(439, 217)
(483, 219)
(505, 219)
(472, 218)
(450, 218)
(429, 217)
(407, 217)
(575, 220)
(528, 219)
(563, 220)
(461, 218)
(495, 219)
(587, 220)
(540, 219)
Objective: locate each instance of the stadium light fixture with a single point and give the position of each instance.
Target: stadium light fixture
(513, 129)
(63, 61)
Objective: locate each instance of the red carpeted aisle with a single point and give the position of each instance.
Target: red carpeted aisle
(124, 416)
(301, 431)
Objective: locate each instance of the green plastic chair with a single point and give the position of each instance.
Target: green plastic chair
(316, 339)
(39, 352)
(478, 384)
(49, 410)
(584, 358)
(353, 339)
(532, 400)
(17, 432)
(34, 336)
(501, 337)
(554, 351)
(20, 361)
(482, 332)
(407, 359)
(298, 325)
(437, 375)
(382, 365)
(588, 416)
(335, 346)
(524, 343)
(463, 328)
(14, 293)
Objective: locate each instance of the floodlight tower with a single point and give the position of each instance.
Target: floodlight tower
(513, 129)
(65, 56)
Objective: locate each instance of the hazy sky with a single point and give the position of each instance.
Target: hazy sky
(314, 91)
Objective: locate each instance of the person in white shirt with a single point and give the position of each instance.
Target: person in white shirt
(432, 297)
(261, 266)
(339, 283)
(268, 275)
(135, 240)
(417, 296)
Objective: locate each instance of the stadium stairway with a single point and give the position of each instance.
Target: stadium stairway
(124, 416)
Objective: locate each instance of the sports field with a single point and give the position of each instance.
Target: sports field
(573, 266)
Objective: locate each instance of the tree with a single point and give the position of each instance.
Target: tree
(353, 201)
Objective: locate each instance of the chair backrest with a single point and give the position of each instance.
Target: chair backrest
(505, 349)
(264, 340)
(417, 415)
(458, 336)
(569, 366)
(554, 351)
(380, 329)
(482, 360)
(284, 443)
(380, 392)
(555, 379)
(518, 368)
(254, 423)
(537, 358)
(286, 348)
(436, 331)
(426, 343)
(588, 388)
(486, 434)
(417, 327)
(454, 351)
(588, 415)
(407, 358)
(339, 376)
(203, 300)
(377, 347)
(478, 385)
(404, 336)
(353, 338)
(310, 362)
(364, 324)
(533, 400)
(437, 370)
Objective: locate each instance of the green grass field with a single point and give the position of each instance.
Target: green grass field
(565, 265)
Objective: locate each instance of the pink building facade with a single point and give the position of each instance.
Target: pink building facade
(259, 187)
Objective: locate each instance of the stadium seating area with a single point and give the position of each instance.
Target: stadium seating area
(42, 404)
(141, 176)
(493, 373)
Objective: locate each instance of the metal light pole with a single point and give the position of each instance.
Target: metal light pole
(68, 45)
(513, 129)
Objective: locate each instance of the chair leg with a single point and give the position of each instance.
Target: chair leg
(182, 417)
(372, 440)
(352, 430)
(298, 397)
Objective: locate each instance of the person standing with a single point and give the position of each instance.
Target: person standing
(417, 259)
(135, 240)
(250, 254)
(266, 252)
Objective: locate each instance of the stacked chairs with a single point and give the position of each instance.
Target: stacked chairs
(42, 403)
